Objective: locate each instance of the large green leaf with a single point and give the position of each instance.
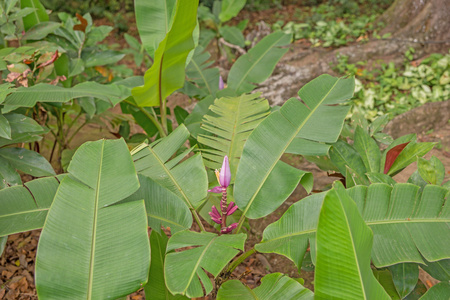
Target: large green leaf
(8, 175)
(156, 286)
(230, 121)
(184, 270)
(198, 71)
(257, 65)
(230, 9)
(23, 130)
(400, 217)
(405, 277)
(343, 244)
(102, 58)
(368, 150)
(163, 207)
(5, 128)
(5, 88)
(27, 161)
(90, 241)
(28, 97)
(188, 179)
(344, 156)
(315, 119)
(24, 208)
(40, 30)
(273, 286)
(161, 15)
(167, 73)
(38, 15)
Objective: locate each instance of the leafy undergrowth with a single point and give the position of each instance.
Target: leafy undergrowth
(383, 88)
(328, 26)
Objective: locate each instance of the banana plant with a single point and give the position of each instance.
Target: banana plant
(88, 224)
(298, 126)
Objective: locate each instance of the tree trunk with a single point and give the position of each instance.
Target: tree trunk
(421, 24)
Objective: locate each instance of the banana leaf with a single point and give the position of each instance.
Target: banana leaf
(187, 179)
(184, 270)
(161, 13)
(163, 207)
(198, 71)
(167, 74)
(344, 242)
(90, 240)
(24, 208)
(29, 96)
(260, 61)
(230, 121)
(400, 217)
(273, 286)
(318, 118)
(156, 286)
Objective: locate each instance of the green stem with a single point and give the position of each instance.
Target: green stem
(152, 118)
(240, 259)
(241, 221)
(197, 219)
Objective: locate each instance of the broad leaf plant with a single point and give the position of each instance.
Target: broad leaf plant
(154, 214)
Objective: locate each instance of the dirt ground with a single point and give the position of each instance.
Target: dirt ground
(18, 260)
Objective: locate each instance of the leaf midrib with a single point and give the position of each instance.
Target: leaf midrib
(197, 264)
(355, 255)
(201, 74)
(167, 171)
(250, 202)
(35, 12)
(23, 212)
(234, 135)
(94, 227)
(163, 219)
(382, 222)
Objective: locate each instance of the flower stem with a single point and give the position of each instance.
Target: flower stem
(223, 207)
